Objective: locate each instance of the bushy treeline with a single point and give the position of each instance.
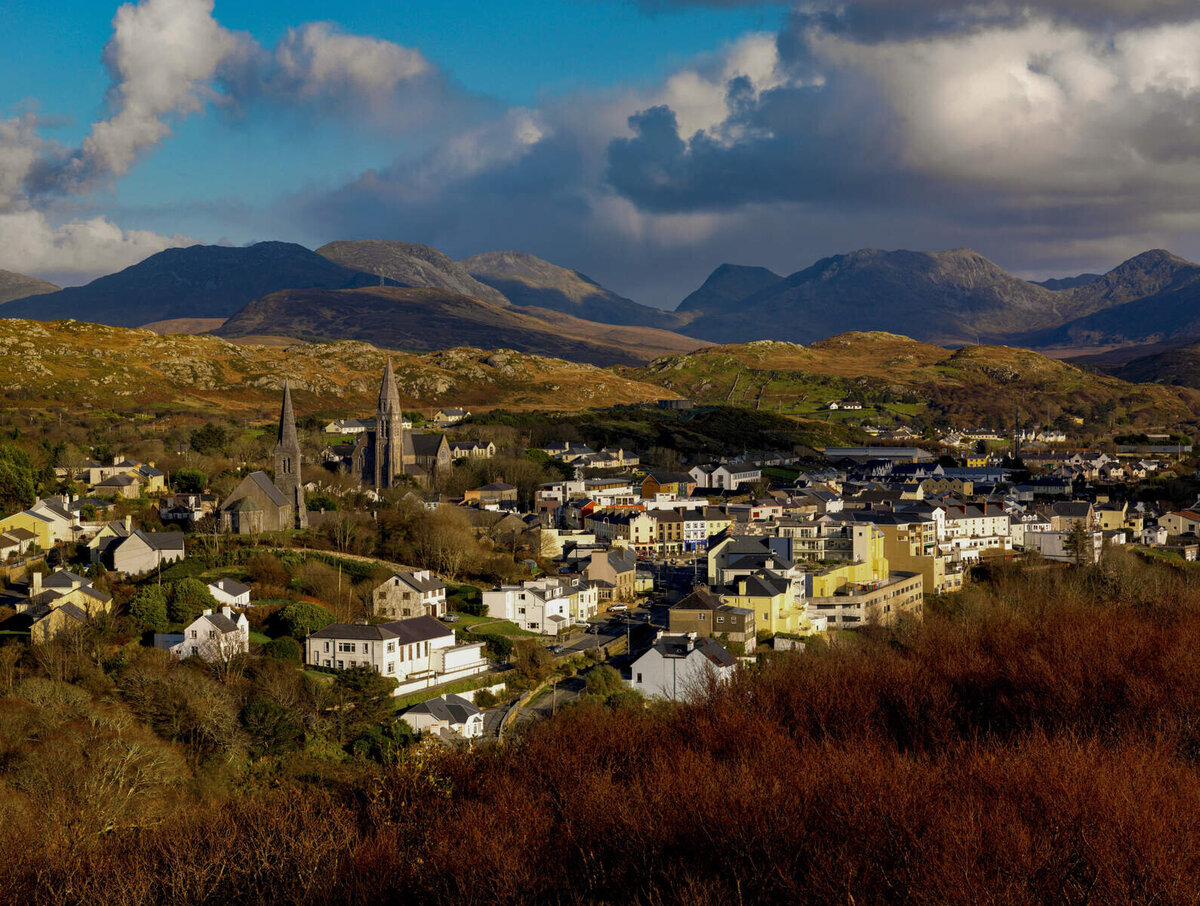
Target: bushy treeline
(1036, 740)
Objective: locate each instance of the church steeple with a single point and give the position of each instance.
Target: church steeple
(389, 432)
(287, 460)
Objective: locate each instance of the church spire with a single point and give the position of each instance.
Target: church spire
(287, 461)
(287, 419)
(389, 396)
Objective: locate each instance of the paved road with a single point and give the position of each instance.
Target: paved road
(550, 700)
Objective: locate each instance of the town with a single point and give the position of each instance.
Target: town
(378, 556)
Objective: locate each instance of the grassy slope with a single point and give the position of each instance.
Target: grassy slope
(907, 379)
(72, 363)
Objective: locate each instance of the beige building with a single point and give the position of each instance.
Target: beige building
(407, 595)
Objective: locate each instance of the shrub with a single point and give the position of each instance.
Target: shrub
(189, 597)
(148, 609)
(486, 698)
(302, 618)
(285, 649)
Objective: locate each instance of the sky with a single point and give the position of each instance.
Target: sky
(641, 142)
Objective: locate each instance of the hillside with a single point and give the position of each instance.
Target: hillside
(941, 297)
(728, 285)
(528, 280)
(203, 281)
(409, 264)
(19, 286)
(426, 319)
(948, 298)
(75, 364)
(900, 379)
(1154, 298)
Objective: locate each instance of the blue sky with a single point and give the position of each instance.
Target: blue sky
(643, 142)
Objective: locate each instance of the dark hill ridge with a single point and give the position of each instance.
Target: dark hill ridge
(202, 281)
(1153, 298)
(409, 264)
(528, 280)
(20, 286)
(729, 284)
(422, 319)
(950, 298)
(1061, 283)
(943, 297)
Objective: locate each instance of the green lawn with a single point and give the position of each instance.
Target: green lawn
(493, 626)
(259, 637)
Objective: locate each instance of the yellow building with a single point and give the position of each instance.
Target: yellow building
(772, 599)
(41, 526)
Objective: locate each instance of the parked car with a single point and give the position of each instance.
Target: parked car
(557, 649)
(618, 608)
(450, 618)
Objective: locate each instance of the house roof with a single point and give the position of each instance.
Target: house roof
(230, 587)
(416, 629)
(700, 599)
(427, 444)
(116, 481)
(221, 622)
(453, 709)
(162, 541)
(432, 583)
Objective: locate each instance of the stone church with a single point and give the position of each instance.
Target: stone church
(385, 451)
(259, 504)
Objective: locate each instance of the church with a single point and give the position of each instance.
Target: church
(385, 451)
(259, 504)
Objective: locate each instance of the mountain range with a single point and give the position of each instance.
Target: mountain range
(949, 298)
(428, 319)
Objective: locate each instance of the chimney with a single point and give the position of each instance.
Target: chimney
(129, 523)
(227, 611)
(207, 612)
(35, 584)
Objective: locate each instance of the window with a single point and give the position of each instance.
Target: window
(326, 648)
(391, 647)
(391, 667)
(639, 679)
(720, 619)
(193, 633)
(340, 665)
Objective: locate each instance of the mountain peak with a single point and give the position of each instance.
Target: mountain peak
(19, 286)
(727, 285)
(409, 264)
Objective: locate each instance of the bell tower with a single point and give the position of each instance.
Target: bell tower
(287, 461)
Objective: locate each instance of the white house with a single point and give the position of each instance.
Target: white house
(678, 666)
(141, 551)
(547, 606)
(213, 637)
(446, 715)
(1053, 545)
(230, 593)
(419, 652)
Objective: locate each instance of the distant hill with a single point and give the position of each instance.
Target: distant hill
(74, 364)
(728, 285)
(409, 264)
(941, 297)
(203, 281)
(1061, 283)
(19, 286)
(1153, 298)
(898, 379)
(948, 298)
(425, 319)
(528, 280)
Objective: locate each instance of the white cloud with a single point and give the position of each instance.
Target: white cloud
(29, 244)
(163, 55)
(316, 60)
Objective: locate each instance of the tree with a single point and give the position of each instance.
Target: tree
(302, 618)
(18, 479)
(366, 692)
(384, 742)
(189, 597)
(149, 608)
(603, 681)
(209, 439)
(189, 481)
(273, 729)
(285, 649)
(1078, 544)
(532, 660)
